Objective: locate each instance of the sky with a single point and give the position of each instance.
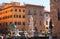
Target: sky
(45, 3)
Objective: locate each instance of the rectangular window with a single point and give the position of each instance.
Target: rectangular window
(6, 17)
(23, 16)
(46, 22)
(15, 23)
(6, 11)
(46, 15)
(5, 24)
(40, 13)
(23, 10)
(55, 0)
(11, 10)
(19, 16)
(15, 16)
(19, 23)
(10, 16)
(58, 14)
(34, 12)
(23, 23)
(40, 31)
(10, 22)
(0, 24)
(29, 12)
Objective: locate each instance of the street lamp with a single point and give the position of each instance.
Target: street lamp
(50, 27)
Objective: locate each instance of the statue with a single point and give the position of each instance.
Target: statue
(50, 27)
(31, 26)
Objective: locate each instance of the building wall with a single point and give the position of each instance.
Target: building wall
(46, 21)
(38, 17)
(55, 5)
(13, 16)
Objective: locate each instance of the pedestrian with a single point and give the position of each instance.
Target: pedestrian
(4, 36)
(14, 37)
(1, 36)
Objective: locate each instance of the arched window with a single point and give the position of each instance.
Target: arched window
(15, 10)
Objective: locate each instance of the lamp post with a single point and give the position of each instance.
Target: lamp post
(50, 28)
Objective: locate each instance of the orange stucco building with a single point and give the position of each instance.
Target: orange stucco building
(12, 12)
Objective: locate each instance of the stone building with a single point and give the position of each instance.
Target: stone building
(55, 16)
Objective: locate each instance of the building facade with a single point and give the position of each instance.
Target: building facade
(46, 20)
(55, 16)
(37, 13)
(20, 15)
(12, 13)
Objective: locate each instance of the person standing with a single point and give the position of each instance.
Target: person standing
(4, 36)
(1, 36)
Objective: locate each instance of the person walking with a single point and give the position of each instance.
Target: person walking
(1, 37)
(4, 36)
